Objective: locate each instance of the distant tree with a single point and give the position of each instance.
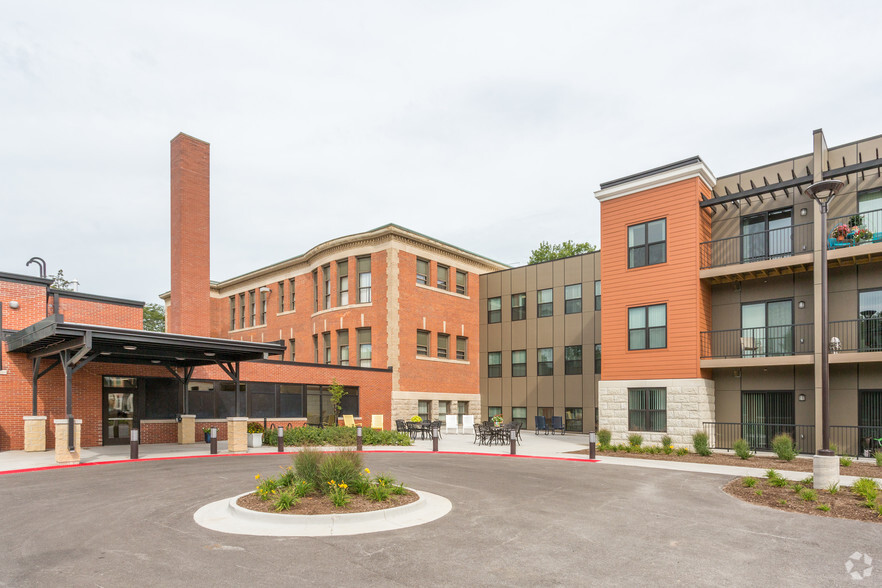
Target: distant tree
(337, 393)
(547, 251)
(154, 317)
(59, 283)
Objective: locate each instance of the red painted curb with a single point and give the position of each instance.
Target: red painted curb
(116, 461)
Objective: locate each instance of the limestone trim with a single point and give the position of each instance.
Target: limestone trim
(440, 291)
(346, 307)
(455, 396)
(393, 305)
(441, 360)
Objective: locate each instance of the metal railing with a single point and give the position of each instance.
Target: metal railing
(857, 441)
(863, 334)
(759, 246)
(776, 341)
(870, 221)
(759, 435)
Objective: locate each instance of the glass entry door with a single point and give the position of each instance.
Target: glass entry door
(119, 417)
(767, 328)
(767, 235)
(761, 412)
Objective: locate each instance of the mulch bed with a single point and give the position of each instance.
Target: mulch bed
(843, 504)
(319, 504)
(864, 468)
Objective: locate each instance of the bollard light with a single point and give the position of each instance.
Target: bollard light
(592, 437)
(134, 435)
(435, 439)
(213, 446)
(133, 446)
(358, 438)
(214, 432)
(281, 433)
(592, 445)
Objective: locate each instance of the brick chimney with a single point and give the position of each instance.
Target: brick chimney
(189, 312)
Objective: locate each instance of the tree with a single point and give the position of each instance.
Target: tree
(154, 317)
(337, 393)
(59, 283)
(547, 252)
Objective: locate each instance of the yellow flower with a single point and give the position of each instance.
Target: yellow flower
(367, 470)
(257, 477)
(344, 486)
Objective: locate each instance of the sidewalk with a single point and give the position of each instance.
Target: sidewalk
(537, 446)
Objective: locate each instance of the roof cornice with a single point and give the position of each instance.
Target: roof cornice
(654, 178)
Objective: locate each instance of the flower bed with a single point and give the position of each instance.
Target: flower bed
(335, 436)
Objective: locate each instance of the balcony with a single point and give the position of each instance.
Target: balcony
(761, 253)
(854, 229)
(760, 346)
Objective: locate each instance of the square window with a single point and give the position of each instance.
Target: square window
(647, 409)
(647, 327)
(647, 243)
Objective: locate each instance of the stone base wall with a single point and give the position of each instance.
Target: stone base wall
(406, 404)
(187, 429)
(35, 433)
(237, 431)
(62, 454)
(690, 402)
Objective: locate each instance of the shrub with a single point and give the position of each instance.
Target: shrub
(287, 477)
(682, 451)
(379, 492)
(823, 507)
(341, 468)
(700, 441)
(604, 437)
(286, 500)
(833, 488)
(338, 493)
(865, 487)
(775, 479)
(667, 444)
(266, 488)
(845, 461)
(302, 488)
(306, 464)
(808, 495)
(255, 427)
(808, 482)
(742, 449)
(399, 489)
(759, 492)
(635, 440)
(782, 445)
(878, 456)
(336, 436)
(748, 482)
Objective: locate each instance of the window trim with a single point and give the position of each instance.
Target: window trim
(544, 368)
(646, 243)
(646, 329)
(521, 366)
(423, 350)
(542, 307)
(646, 425)
(494, 370)
(445, 349)
(521, 313)
(569, 364)
(423, 278)
(492, 313)
(570, 308)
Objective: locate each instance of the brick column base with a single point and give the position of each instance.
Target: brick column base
(35, 433)
(237, 434)
(62, 454)
(187, 429)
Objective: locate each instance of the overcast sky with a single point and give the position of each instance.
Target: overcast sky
(488, 125)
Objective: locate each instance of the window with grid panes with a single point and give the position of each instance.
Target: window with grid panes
(494, 364)
(647, 327)
(519, 363)
(422, 343)
(326, 347)
(364, 347)
(291, 289)
(647, 410)
(242, 311)
(232, 313)
(363, 265)
(343, 347)
(462, 347)
(545, 302)
(443, 274)
(343, 283)
(281, 296)
(544, 361)
(573, 299)
(326, 281)
(572, 360)
(422, 272)
(252, 305)
(646, 244)
(443, 342)
(519, 415)
(462, 280)
(494, 310)
(518, 307)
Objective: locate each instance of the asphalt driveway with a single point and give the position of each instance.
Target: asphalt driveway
(514, 521)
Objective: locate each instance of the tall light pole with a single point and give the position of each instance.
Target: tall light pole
(824, 192)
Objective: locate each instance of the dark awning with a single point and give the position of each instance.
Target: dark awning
(116, 345)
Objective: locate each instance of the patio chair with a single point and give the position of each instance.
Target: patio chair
(348, 420)
(540, 424)
(748, 344)
(450, 423)
(482, 435)
(557, 424)
(468, 422)
(401, 426)
(376, 421)
(516, 431)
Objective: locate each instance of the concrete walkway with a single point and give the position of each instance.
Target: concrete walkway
(536, 446)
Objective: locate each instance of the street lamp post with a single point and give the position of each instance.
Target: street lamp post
(824, 192)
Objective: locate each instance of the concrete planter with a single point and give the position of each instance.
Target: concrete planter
(255, 439)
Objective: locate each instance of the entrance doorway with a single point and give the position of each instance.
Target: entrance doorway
(119, 409)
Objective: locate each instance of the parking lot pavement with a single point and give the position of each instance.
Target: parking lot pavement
(514, 522)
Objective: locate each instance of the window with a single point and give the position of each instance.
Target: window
(519, 363)
(443, 342)
(545, 362)
(263, 296)
(232, 313)
(597, 295)
(870, 320)
(573, 299)
(462, 407)
(518, 307)
(261, 400)
(519, 415)
(281, 296)
(326, 347)
(253, 309)
(545, 306)
(573, 419)
(315, 348)
(343, 347)
(292, 345)
(647, 327)
(870, 207)
(492, 411)
(364, 279)
(422, 272)
(443, 410)
(462, 280)
(494, 310)
(494, 364)
(242, 311)
(326, 282)
(547, 412)
(364, 347)
(343, 283)
(291, 288)
(767, 328)
(646, 244)
(424, 409)
(315, 291)
(462, 348)
(290, 401)
(443, 273)
(646, 409)
(422, 343)
(597, 358)
(766, 408)
(572, 360)
(767, 235)
(870, 413)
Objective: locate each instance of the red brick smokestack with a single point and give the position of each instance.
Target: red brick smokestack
(189, 312)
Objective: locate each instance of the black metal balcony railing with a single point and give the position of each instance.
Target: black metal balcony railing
(759, 246)
(857, 441)
(773, 341)
(863, 334)
(759, 435)
(870, 221)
